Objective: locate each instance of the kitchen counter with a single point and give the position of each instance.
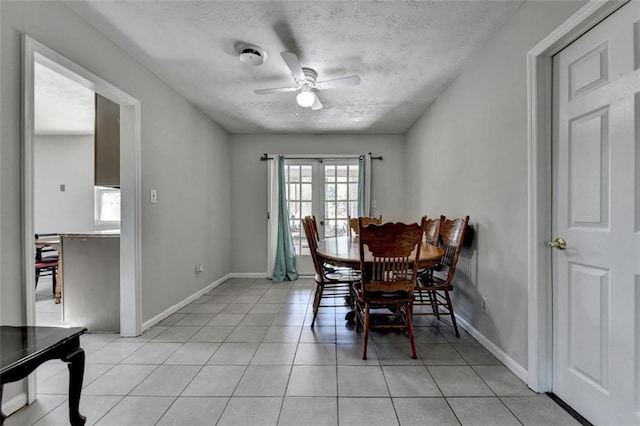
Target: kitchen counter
(91, 277)
(102, 233)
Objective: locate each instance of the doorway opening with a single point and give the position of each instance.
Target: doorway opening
(63, 179)
(35, 54)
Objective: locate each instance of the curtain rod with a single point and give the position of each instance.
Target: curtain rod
(265, 157)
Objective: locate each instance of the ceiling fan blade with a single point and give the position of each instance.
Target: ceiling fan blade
(316, 104)
(292, 61)
(276, 90)
(353, 80)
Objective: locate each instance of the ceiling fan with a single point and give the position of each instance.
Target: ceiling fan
(306, 84)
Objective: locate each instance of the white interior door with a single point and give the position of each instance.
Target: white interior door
(596, 209)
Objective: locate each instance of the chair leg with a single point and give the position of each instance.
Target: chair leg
(366, 331)
(409, 319)
(433, 299)
(453, 317)
(37, 276)
(316, 302)
(53, 280)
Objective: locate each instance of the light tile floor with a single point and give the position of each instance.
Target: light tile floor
(47, 312)
(244, 354)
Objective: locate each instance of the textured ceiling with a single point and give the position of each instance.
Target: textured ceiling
(61, 106)
(407, 53)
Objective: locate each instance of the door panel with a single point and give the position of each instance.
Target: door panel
(589, 298)
(596, 324)
(588, 155)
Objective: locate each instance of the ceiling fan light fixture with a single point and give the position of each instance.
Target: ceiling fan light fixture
(305, 99)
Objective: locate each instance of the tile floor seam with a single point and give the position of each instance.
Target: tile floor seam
(510, 410)
(109, 410)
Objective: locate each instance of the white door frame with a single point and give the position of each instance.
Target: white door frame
(539, 98)
(130, 165)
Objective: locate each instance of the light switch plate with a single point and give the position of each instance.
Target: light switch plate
(153, 196)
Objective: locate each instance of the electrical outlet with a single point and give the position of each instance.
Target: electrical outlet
(483, 306)
(198, 269)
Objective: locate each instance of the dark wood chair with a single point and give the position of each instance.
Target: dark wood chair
(334, 286)
(432, 230)
(354, 223)
(314, 227)
(388, 260)
(46, 260)
(435, 284)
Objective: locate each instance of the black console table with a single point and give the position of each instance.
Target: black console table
(23, 349)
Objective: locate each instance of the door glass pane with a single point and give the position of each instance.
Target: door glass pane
(307, 192)
(330, 210)
(341, 197)
(298, 196)
(306, 174)
(342, 191)
(306, 209)
(341, 173)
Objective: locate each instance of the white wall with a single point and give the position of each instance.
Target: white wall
(64, 160)
(185, 156)
(468, 155)
(249, 174)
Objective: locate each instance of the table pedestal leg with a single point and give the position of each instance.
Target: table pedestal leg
(76, 374)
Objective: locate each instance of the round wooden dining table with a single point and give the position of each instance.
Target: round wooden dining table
(345, 251)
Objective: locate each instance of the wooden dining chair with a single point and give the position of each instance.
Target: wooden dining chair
(434, 285)
(46, 260)
(314, 228)
(334, 286)
(432, 230)
(388, 260)
(354, 223)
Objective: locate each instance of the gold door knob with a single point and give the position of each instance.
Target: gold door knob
(558, 243)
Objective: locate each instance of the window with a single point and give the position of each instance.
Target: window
(327, 189)
(107, 205)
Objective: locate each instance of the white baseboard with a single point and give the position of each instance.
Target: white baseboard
(502, 356)
(14, 404)
(257, 275)
(260, 275)
(173, 309)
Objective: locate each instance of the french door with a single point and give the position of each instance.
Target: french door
(326, 189)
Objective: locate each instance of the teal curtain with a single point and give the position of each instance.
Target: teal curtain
(362, 178)
(285, 266)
